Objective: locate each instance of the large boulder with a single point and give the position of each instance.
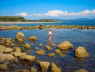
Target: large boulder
(4, 49)
(65, 45)
(81, 52)
(6, 57)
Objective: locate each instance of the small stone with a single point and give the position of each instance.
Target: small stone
(40, 52)
(51, 54)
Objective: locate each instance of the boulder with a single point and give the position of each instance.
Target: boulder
(4, 49)
(81, 52)
(19, 35)
(44, 66)
(6, 57)
(55, 68)
(28, 58)
(65, 45)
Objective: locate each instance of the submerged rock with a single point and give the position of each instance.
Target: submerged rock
(51, 54)
(40, 52)
(48, 47)
(65, 45)
(27, 45)
(32, 38)
(33, 69)
(3, 67)
(81, 52)
(81, 70)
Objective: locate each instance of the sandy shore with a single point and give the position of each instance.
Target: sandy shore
(24, 22)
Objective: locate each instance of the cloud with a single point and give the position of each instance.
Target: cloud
(23, 14)
(60, 13)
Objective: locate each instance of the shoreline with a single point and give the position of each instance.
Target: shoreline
(24, 22)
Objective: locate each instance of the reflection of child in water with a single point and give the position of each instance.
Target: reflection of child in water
(50, 37)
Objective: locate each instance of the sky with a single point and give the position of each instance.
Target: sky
(48, 9)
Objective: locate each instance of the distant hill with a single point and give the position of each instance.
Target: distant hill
(22, 19)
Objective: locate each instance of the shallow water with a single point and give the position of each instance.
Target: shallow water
(77, 36)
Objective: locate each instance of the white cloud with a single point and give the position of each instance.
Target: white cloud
(23, 14)
(59, 13)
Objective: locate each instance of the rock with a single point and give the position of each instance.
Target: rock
(3, 67)
(57, 51)
(19, 35)
(28, 57)
(6, 57)
(33, 38)
(48, 47)
(51, 54)
(33, 69)
(8, 42)
(65, 45)
(17, 49)
(40, 52)
(18, 54)
(81, 70)
(27, 45)
(44, 66)
(23, 70)
(55, 68)
(81, 52)
(4, 49)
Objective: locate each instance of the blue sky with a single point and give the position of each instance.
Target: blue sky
(36, 9)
